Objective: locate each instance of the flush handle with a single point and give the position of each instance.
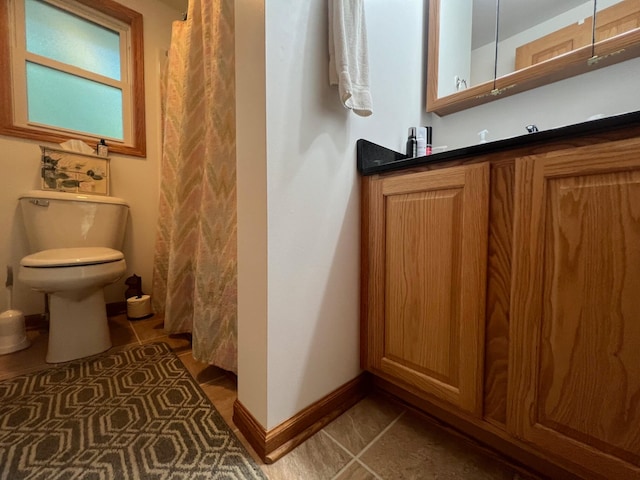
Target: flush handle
(39, 203)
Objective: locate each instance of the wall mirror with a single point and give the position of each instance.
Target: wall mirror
(532, 32)
(516, 45)
(617, 23)
(466, 55)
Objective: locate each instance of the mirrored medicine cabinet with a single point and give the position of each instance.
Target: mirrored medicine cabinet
(481, 50)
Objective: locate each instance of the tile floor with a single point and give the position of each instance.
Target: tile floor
(376, 439)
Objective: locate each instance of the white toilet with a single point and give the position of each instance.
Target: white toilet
(76, 241)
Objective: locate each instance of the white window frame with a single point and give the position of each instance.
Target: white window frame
(13, 116)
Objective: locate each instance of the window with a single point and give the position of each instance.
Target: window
(72, 69)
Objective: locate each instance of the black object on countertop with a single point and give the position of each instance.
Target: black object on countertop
(369, 155)
(372, 158)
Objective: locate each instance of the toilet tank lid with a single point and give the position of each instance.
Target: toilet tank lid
(66, 257)
(80, 197)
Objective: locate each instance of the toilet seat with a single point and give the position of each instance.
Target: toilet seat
(71, 257)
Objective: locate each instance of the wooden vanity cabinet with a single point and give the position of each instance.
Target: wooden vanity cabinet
(503, 297)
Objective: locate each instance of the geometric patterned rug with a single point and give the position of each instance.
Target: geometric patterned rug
(136, 414)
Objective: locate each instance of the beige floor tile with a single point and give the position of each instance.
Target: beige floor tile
(149, 328)
(202, 372)
(120, 319)
(355, 429)
(356, 471)
(319, 458)
(180, 344)
(414, 449)
(223, 393)
(121, 331)
(29, 359)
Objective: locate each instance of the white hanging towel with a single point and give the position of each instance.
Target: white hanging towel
(348, 55)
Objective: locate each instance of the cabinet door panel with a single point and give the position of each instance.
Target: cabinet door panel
(574, 384)
(421, 281)
(428, 328)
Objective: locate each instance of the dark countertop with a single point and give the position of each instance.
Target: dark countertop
(373, 158)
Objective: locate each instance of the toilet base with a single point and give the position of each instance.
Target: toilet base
(78, 326)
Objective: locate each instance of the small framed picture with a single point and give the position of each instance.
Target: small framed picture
(68, 171)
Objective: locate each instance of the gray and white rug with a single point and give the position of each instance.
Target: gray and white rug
(136, 414)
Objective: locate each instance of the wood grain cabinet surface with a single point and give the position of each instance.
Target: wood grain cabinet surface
(574, 378)
(502, 295)
(428, 234)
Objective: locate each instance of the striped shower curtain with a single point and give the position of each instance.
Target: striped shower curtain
(194, 279)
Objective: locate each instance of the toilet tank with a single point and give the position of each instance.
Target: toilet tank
(64, 220)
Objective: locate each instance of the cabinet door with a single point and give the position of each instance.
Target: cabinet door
(425, 312)
(574, 378)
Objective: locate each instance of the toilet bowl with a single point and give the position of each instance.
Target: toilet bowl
(79, 233)
(74, 279)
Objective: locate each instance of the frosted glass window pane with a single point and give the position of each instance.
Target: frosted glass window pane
(67, 38)
(62, 100)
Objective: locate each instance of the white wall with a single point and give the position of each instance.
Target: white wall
(308, 168)
(132, 178)
(251, 191)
